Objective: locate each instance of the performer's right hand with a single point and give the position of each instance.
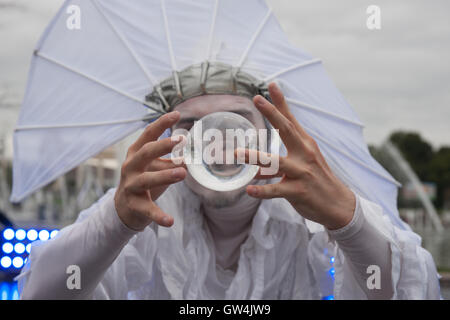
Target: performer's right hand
(145, 176)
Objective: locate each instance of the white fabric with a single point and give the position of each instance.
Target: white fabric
(229, 226)
(279, 260)
(364, 246)
(125, 45)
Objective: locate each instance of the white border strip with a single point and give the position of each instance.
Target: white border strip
(253, 39)
(104, 84)
(292, 68)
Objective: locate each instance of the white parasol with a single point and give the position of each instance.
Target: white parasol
(87, 87)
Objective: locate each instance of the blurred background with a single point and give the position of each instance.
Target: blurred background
(397, 78)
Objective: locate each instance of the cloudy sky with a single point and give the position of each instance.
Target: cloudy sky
(395, 78)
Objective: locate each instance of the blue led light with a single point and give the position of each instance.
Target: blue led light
(17, 262)
(4, 290)
(328, 297)
(15, 294)
(7, 247)
(19, 248)
(332, 271)
(9, 291)
(20, 234)
(5, 262)
(32, 235)
(53, 234)
(28, 248)
(8, 234)
(331, 260)
(44, 235)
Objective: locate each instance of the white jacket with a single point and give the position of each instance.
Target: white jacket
(280, 259)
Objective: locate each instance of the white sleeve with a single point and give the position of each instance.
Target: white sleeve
(91, 244)
(406, 270)
(364, 246)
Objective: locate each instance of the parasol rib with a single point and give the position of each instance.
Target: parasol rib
(168, 36)
(171, 52)
(88, 124)
(254, 37)
(305, 105)
(339, 150)
(292, 68)
(308, 106)
(211, 30)
(91, 78)
(125, 42)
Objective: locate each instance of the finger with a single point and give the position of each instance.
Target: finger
(159, 216)
(271, 164)
(150, 210)
(152, 150)
(148, 180)
(154, 130)
(261, 176)
(287, 129)
(279, 101)
(267, 191)
(163, 164)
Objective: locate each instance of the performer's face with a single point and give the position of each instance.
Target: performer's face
(198, 107)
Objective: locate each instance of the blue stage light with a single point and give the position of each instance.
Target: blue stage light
(28, 248)
(4, 290)
(328, 298)
(15, 293)
(20, 234)
(5, 262)
(53, 234)
(44, 235)
(32, 235)
(331, 260)
(19, 248)
(17, 262)
(8, 234)
(332, 271)
(7, 247)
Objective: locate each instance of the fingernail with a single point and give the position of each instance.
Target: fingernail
(252, 190)
(275, 87)
(176, 138)
(166, 220)
(260, 102)
(240, 155)
(177, 173)
(173, 115)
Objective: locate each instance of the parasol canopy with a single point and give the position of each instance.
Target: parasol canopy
(88, 88)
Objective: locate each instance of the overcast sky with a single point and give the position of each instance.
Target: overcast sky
(395, 78)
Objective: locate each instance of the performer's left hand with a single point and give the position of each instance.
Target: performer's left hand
(307, 181)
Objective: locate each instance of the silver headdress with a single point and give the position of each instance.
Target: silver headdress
(206, 78)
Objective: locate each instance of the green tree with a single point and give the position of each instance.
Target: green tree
(418, 152)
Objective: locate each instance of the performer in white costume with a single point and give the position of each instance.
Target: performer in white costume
(326, 225)
(160, 235)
